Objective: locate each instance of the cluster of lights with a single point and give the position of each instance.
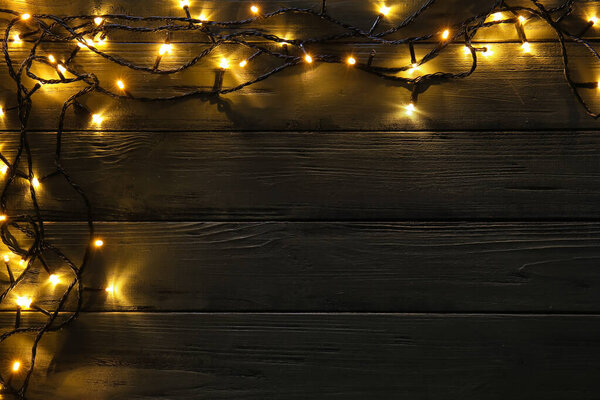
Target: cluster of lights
(96, 36)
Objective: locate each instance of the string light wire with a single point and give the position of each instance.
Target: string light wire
(76, 33)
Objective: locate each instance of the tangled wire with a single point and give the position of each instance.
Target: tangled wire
(30, 245)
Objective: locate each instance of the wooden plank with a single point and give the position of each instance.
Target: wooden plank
(192, 176)
(356, 12)
(324, 356)
(432, 267)
(511, 90)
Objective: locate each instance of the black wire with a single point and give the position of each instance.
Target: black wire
(73, 29)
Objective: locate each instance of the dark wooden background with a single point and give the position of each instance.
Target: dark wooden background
(304, 239)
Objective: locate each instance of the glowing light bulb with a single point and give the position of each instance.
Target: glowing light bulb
(254, 9)
(110, 289)
(184, 3)
(25, 17)
(97, 119)
(51, 59)
(243, 63)
(24, 302)
(351, 61)
(497, 16)
(526, 47)
(16, 366)
(413, 67)
(224, 63)
(446, 34)
(35, 182)
(98, 20)
(165, 48)
(1, 112)
(467, 50)
(308, 59)
(54, 279)
(6, 258)
(203, 17)
(522, 19)
(410, 109)
(61, 68)
(593, 20)
(89, 42)
(385, 10)
(81, 45)
(98, 243)
(3, 217)
(21, 261)
(120, 84)
(17, 38)
(487, 51)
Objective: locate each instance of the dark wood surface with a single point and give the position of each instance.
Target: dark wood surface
(305, 239)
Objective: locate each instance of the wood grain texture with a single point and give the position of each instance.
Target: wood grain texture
(441, 267)
(191, 176)
(511, 90)
(306, 356)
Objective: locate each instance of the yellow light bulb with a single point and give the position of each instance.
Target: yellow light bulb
(2, 113)
(413, 67)
(487, 51)
(120, 84)
(110, 289)
(24, 302)
(17, 38)
(98, 20)
(243, 63)
(184, 3)
(385, 10)
(35, 182)
(25, 17)
(51, 59)
(21, 261)
(254, 9)
(97, 119)
(522, 19)
(308, 59)
(98, 243)
(497, 16)
(61, 68)
(467, 50)
(203, 17)
(351, 61)
(598, 85)
(593, 20)
(165, 48)
(224, 63)
(54, 279)
(16, 365)
(6, 258)
(410, 109)
(3, 217)
(446, 34)
(526, 47)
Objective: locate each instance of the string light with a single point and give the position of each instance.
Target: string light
(224, 63)
(54, 279)
(203, 17)
(2, 216)
(165, 48)
(24, 302)
(1, 113)
(413, 67)
(184, 3)
(6, 258)
(16, 366)
(97, 119)
(25, 17)
(384, 10)
(526, 47)
(463, 34)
